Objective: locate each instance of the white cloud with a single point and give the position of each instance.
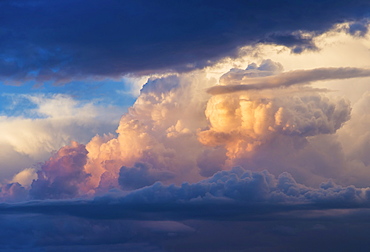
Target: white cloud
(281, 130)
(337, 48)
(25, 177)
(50, 123)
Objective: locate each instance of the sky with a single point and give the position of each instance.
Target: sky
(184, 126)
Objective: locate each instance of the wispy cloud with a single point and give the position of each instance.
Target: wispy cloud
(235, 83)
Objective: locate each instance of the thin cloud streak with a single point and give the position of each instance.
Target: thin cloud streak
(287, 79)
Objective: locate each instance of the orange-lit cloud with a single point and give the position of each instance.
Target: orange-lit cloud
(176, 132)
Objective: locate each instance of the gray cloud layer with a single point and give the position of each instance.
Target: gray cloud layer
(228, 194)
(65, 40)
(242, 82)
(235, 209)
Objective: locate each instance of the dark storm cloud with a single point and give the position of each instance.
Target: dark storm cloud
(59, 40)
(234, 209)
(140, 175)
(228, 195)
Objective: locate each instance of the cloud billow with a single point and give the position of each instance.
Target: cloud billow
(251, 192)
(140, 175)
(61, 176)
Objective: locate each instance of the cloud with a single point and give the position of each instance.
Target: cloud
(253, 193)
(13, 192)
(176, 132)
(62, 174)
(58, 233)
(61, 233)
(258, 205)
(160, 129)
(25, 177)
(266, 68)
(147, 37)
(47, 123)
(271, 132)
(284, 79)
(355, 131)
(354, 139)
(140, 175)
(271, 169)
(298, 41)
(158, 185)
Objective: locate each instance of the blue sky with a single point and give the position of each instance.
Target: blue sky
(184, 126)
(120, 92)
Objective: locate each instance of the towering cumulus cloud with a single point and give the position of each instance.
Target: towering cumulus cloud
(176, 126)
(182, 156)
(176, 132)
(160, 130)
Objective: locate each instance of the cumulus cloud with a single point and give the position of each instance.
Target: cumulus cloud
(269, 169)
(182, 158)
(160, 129)
(61, 176)
(140, 175)
(354, 139)
(258, 204)
(355, 131)
(248, 190)
(252, 188)
(223, 130)
(48, 123)
(177, 132)
(266, 68)
(271, 132)
(13, 192)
